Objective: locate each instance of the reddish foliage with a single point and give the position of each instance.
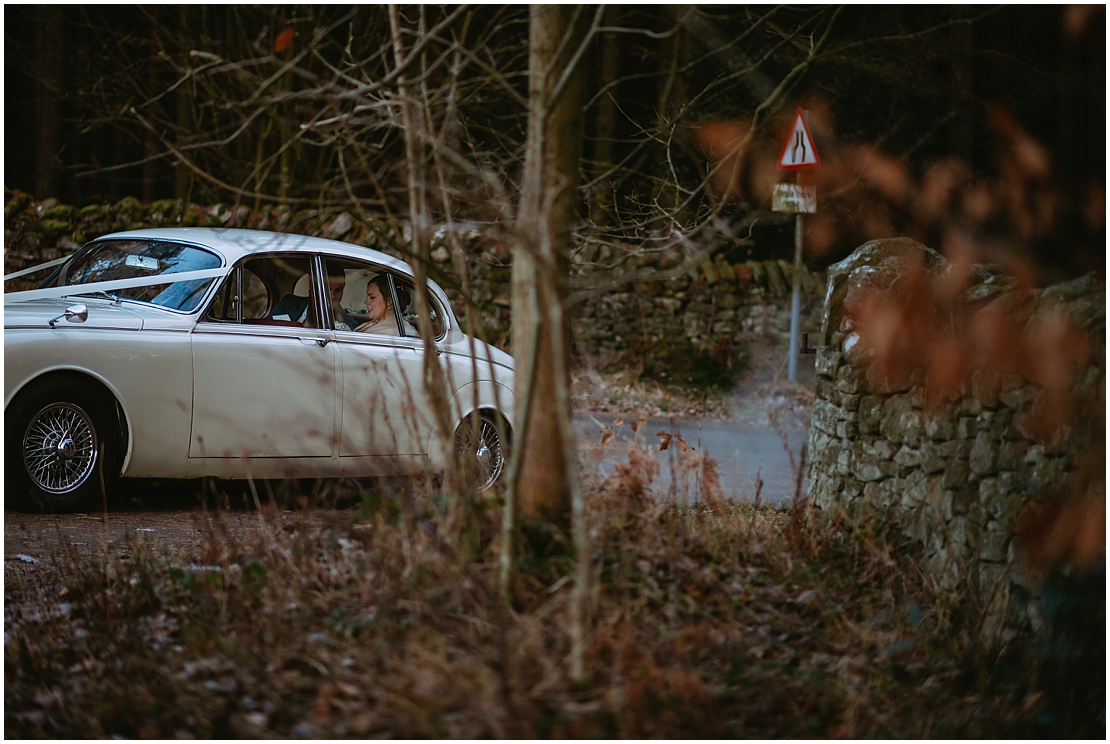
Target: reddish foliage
(284, 39)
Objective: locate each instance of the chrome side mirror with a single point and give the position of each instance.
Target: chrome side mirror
(74, 314)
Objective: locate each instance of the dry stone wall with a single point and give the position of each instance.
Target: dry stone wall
(717, 301)
(953, 480)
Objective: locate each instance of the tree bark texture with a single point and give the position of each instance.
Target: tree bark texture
(51, 30)
(541, 261)
(606, 118)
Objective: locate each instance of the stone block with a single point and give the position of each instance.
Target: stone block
(965, 427)
(827, 362)
(891, 491)
(931, 459)
(1000, 507)
(870, 413)
(984, 455)
(940, 425)
(1009, 482)
(850, 402)
(961, 501)
(1000, 424)
(908, 458)
(969, 407)
(825, 416)
(901, 422)
(820, 446)
(955, 475)
(962, 449)
(823, 490)
(983, 421)
(844, 462)
(867, 468)
(892, 385)
(1011, 453)
(957, 528)
(977, 514)
(993, 542)
(878, 448)
(851, 381)
(918, 489)
(1019, 399)
(1034, 453)
(1046, 474)
(855, 353)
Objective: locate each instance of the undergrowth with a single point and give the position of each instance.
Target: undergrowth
(707, 620)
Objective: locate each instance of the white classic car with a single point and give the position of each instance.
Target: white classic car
(195, 352)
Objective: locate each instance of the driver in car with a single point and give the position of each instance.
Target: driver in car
(295, 307)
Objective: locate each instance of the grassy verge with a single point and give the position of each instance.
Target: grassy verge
(382, 621)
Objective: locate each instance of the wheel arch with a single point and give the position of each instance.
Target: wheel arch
(123, 421)
(492, 397)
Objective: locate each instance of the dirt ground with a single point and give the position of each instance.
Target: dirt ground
(41, 549)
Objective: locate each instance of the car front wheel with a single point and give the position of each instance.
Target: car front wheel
(61, 446)
(481, 448)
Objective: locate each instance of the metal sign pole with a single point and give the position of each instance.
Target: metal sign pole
(799, 153)
(796, 299)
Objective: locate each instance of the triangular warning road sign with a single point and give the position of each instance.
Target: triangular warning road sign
(798, 152)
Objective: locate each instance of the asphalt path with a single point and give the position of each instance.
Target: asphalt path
(742, 452)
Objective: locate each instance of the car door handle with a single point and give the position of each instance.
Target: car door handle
(318, 341)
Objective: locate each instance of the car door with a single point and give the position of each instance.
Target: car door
(264, 382)
(384, 409)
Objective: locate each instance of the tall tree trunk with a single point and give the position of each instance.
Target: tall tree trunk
(606, 119)
(51, 29)
(183, 177)
(541, 263)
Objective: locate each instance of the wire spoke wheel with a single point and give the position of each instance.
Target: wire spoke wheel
(59, 448)
(480, 453)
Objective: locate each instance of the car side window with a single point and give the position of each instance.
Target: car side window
(268, 290)
(406, 294)
(370, 299)
(256, 296)
(224, 305)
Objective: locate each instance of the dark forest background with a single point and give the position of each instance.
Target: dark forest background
(95, 93)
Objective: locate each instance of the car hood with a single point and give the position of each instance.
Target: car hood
(103, 314)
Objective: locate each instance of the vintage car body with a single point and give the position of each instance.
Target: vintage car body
(208, 391)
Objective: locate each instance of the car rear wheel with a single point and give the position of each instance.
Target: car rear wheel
(481, 449)
(62, 444)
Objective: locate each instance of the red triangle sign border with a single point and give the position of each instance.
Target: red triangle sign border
(798, 115)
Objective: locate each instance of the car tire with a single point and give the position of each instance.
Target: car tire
(482, 463)
(63, 447)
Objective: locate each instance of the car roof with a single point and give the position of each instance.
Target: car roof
(234, 243)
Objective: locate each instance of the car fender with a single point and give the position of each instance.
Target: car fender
(148, 374)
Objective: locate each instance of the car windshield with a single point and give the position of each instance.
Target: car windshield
(110, 260)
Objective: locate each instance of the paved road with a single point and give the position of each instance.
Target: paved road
(741, 451)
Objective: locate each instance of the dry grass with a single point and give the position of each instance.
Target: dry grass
(705, 621)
